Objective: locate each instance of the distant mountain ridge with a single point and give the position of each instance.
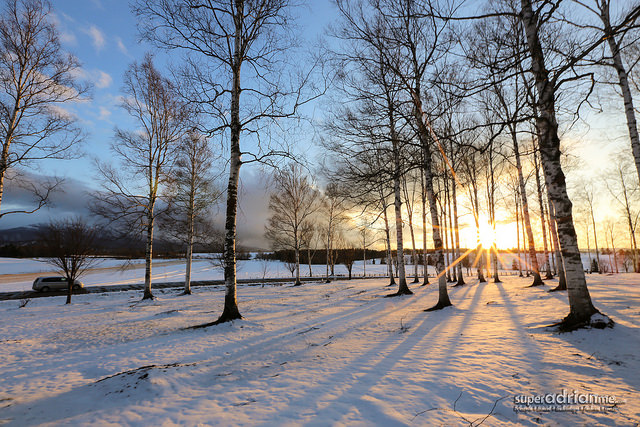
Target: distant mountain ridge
(20, 235)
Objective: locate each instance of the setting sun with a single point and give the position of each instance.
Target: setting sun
(487, 235)
(504, 236)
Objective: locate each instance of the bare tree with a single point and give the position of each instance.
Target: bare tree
(309, 234)
(409, 187)
(547, 83)
(146, 154)
(507, 95)
(610, 226)
(543, 219)
(332, 210)
(70, 247)
(37, 80)
(471, 168)
(364, 230)
(191, 195)
(614, 40)
(623, 192)
(292, 206)
(409, 43)
(588, 196)
(235, 68)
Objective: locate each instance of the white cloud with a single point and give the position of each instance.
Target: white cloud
(121, 46)
(61, 112)
(68, 38)
(104, 114)
(97, 37)
(101, 79)
(60, 20)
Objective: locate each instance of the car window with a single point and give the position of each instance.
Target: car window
(53, 279)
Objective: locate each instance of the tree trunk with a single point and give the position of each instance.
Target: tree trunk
(364, 256)
(297, 252)
(533, 259)
(476, 216)
(416, 279)
(424, 135)
(231, 311)
(403, 288)
(454, 251)
(69, 290)
(615, 257)
(518, 234)
(588, 247)
(595, 239)
(562, 280)
(492, 214)
(148, 256)
(618, 65)
(457, 232)
(387, 232)
(4, 157)
(542, 217)
(443, 221)
(425, 255)
(525, 249)
(554, 268)
(581, 307)
(328, 254)
(187, 275)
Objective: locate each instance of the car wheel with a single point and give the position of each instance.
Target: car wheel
(44, 289)
(76, 287)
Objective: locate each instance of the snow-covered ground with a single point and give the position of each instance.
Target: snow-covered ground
(319, 354)
(18, 274)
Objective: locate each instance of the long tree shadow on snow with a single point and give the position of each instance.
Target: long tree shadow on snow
(91, 397)
(354, 389)
(344, 388)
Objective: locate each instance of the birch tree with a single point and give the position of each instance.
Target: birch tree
(588, 198)
(614, 41)
(38, 81)
(547, 83)
(410, 40)
(500, 61)
(236, 70)
(192, 194)
(132, 189)
(292, 205)
(625, 194)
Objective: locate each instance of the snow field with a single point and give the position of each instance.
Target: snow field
(319, 354)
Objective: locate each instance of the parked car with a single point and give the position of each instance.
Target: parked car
(45, 284)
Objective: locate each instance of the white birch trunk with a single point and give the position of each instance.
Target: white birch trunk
(581, 307)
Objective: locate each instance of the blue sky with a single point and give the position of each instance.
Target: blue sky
(102, 34)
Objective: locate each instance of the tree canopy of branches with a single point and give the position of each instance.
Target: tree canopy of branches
(292, 206)
(132, 189)
(37, 80)
(71, 245)
(192, 194)
(236, 74)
